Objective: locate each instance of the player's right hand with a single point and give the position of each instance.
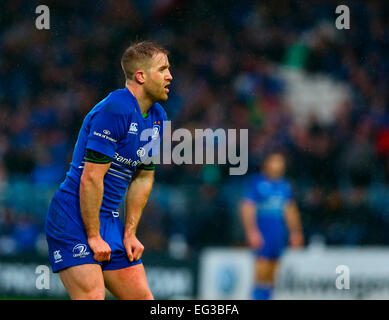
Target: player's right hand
(255, 239)
(100, 248)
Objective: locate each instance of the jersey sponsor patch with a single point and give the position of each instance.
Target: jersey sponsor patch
(127, 161)
(105, 136)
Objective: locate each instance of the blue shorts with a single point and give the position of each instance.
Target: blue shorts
(67, 239)
(275, 237)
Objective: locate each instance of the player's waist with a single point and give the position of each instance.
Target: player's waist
(270, 217)
(270, 212)
(69, 193)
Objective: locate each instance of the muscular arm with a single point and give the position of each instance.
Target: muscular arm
(91, 197)
(136, 199)
(293, 222)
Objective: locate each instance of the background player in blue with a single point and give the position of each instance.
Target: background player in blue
(270, 216)
(88, 244)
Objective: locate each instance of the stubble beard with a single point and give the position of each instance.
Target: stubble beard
(160, 96)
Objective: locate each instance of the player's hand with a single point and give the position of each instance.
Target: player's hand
(296, 239)
(255, 239)
(134, 247)
(101, 249)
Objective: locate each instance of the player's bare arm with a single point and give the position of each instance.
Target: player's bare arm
(293, 222)
(91, 197)
(248, 213)
(136, 198)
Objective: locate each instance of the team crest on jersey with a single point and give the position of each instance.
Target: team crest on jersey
(133, 128)
(156, 129)
(80, 251)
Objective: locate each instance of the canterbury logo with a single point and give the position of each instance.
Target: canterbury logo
(133, 128)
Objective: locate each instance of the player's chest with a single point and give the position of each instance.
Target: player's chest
(141, 136)
(270, 192)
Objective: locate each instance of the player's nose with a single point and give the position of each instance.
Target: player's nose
(169, 76)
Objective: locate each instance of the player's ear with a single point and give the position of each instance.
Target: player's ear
(140, 76)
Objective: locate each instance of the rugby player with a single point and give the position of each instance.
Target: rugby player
(88, 244)
(270, 217)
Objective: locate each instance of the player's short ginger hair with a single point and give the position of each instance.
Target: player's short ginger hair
(137, 55)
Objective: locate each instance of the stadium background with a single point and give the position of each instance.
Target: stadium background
(279, 68)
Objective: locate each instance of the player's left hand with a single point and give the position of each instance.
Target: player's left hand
(134, 247)
(296, 239)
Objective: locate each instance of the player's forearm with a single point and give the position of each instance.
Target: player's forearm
(292, 217)
(136, 199)
(247, 212)
(91, 196)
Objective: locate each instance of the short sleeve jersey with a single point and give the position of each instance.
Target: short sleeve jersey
(270, 196)
(114, 128)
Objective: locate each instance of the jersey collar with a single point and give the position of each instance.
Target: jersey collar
(137, 108)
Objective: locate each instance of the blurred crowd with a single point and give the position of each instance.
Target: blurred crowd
(225, 58)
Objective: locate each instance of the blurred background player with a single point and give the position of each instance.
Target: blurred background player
(270, 216)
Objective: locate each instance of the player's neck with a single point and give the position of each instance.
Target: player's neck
(144, 101)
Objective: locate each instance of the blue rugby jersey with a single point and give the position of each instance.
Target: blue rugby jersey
(113, 127)
(270, 196)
